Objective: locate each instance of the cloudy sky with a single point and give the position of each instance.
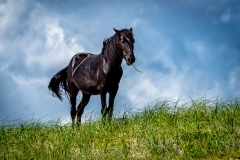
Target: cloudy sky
(186, 48)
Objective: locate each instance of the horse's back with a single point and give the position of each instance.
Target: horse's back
(74, 63)
(77, 59)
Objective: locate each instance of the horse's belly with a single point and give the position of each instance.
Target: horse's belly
(92, 90)
(88, 86)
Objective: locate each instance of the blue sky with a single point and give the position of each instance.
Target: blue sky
(185, 48)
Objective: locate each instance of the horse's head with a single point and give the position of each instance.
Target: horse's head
(126, 43)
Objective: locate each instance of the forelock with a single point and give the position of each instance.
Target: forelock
(129, 35)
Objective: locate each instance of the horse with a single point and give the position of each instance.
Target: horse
(95, 74)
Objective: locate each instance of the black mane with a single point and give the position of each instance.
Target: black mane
(110, 44)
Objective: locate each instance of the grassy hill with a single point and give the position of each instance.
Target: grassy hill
(201, 129)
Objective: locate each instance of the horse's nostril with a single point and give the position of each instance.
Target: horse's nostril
(133, 59)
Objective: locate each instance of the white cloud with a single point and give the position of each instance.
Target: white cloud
(2, 49)
(54, 34)
(234, 80)
(43, 42)
(4, 13)
(9, 12)
(149, 86)
(56, 51)
(198, 48)
(226, 16)
(163, 55)
(136, 22)
(23, 81)
(142, 89)
(224, 13)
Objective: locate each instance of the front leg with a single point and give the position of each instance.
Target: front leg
(112, 95)
(104, 105)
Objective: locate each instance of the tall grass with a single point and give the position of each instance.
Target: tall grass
(201, 129)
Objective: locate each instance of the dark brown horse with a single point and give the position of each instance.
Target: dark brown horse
(95, 74)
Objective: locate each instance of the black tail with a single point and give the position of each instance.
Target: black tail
(58, 84)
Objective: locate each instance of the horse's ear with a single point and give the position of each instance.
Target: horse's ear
(131, 29)
(117, 31)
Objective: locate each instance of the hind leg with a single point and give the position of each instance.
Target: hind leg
(73, 91)
(81, 106)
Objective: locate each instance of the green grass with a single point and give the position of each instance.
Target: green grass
(201, 129)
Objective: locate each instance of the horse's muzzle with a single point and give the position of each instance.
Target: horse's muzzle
(130, 60)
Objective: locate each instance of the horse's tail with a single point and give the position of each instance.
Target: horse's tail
(58, 84)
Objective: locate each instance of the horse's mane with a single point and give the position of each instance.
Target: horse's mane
(110, 44)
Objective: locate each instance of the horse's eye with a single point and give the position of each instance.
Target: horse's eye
(125, 40)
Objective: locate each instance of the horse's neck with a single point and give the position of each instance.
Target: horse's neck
(114, 60)
(111, 53)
